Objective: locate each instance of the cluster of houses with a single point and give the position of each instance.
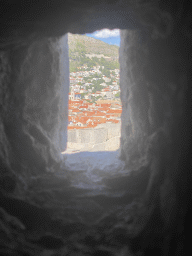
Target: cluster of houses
(84, 71)
(84, 114)
(84, 90)
(105, 93)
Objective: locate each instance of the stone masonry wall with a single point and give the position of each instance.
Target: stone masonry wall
(103, 137)
(96, 135)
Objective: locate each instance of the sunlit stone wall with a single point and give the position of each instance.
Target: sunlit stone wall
(101, 138)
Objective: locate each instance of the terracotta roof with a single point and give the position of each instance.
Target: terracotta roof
(99, 113)
(81, 127)
(70, 118)
(114, 111)
(84, 106)
(75, 110)
(104, 108)
(113, 121)
(90, 113)
(105, 104)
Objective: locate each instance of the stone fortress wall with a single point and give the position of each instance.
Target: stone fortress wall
(104, 137)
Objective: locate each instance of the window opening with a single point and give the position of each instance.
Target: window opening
(94, 109)
(94, 116)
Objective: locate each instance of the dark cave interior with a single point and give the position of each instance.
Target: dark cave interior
(147, 211)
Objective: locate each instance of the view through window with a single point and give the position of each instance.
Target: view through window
(94, 95)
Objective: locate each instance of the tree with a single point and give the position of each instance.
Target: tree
(86, 79)
(98, 97)
(117, 95)
(97, 85)
(80, 48)
(83, 95)
(73, 66)
(106, 72)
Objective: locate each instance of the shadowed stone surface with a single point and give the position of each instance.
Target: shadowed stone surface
(44, 208)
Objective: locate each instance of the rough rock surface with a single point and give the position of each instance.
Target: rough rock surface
(33, 128)
(44, 210)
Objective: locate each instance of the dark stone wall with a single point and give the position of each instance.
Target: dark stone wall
(155, 92)
(34, 79)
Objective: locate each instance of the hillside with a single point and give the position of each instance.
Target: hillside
(92, 45)
(92, 52)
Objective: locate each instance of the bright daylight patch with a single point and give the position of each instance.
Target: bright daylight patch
(94, 117)
(104, 33)
(111, 37)
(97, 165)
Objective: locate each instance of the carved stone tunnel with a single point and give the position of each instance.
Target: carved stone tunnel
(147, 211)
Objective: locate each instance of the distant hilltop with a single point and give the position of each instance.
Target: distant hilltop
(92, 46)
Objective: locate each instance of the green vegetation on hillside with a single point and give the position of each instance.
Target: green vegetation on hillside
(80, 60)
(80, 45)
(97, 86)
(92, 45)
